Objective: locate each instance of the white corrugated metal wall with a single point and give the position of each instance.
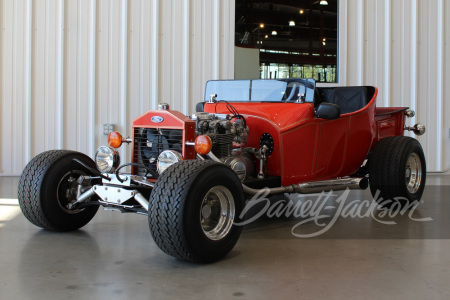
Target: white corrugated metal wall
(69, 66)
(400, 46)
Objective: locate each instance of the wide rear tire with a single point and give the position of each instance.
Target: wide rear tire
(46, 187)
(397, 171)
(193, 208)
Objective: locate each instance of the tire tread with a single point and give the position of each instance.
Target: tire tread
(29, 187)
(165, 217)
(385, 167)
(30, 195)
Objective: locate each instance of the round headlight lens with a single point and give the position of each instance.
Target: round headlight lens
(166, 159)
(107, 159)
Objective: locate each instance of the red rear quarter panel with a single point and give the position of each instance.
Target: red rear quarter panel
(308, 148)
(344, 143)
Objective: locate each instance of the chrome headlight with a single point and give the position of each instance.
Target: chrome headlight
(107, 159)
(166, 159)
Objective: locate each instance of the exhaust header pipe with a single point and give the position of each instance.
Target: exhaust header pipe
(354, 183)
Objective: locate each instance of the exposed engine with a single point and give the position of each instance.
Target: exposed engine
(228, 139)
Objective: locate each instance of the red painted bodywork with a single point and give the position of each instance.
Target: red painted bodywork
(308, 148)
(170, 120)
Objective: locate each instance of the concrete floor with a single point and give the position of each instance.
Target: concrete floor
(114, 257)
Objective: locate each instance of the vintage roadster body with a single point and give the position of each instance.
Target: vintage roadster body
(192, 174)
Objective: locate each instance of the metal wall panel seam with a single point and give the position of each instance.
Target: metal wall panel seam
(173, 65)
(203, 43)
(124, 71)
(232, 22)
(77, 62)
(155, 55)
(361, 46)
(343, 43)
(14, 88)
(447, 81)
(225, 22)
(2, 28)
(414, 57)
(45, 117)
(60, 79)
(92, 75)
(141, 59)
(424, 67)
(186, 58)
(401, 44)
(28, 78)
(387, 53)
(229, 22)
(440, 84)
(108, 99)
(2, 68)
(429, 88)
(223, 40)
(216, 38)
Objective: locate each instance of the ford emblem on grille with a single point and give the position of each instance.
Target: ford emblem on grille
(157, 119)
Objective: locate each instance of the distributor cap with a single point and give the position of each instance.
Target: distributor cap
(267, 140)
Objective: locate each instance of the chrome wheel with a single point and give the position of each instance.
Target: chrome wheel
(204, 198)
(413, 174)
(67, 191)
(217, 213)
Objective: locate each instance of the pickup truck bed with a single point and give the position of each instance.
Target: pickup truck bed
(390, 121)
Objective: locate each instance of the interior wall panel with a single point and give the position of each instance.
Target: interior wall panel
(196, 51)
(69, 66)
(16, 85)
(2, 30)
(403, 51)
(446, 91)
(430, 78)
(136, 57)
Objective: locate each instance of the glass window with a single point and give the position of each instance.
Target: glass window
(258, 90)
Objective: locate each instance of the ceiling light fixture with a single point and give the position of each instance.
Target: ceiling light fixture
(323, 2)
(266, 36)
(301, 11)
(274, 32)
(291, 23)
(261, 25)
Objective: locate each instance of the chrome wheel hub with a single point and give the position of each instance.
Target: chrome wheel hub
(413, 175)
(217, 213)
(67, 191)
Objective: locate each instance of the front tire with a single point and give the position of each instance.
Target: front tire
(47, 186)
(397, 171)
(193, 208)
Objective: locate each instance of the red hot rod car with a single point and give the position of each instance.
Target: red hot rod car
(192, 175)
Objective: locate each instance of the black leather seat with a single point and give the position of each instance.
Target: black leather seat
(349, 99)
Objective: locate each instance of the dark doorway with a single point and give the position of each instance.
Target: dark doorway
(295, 38)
